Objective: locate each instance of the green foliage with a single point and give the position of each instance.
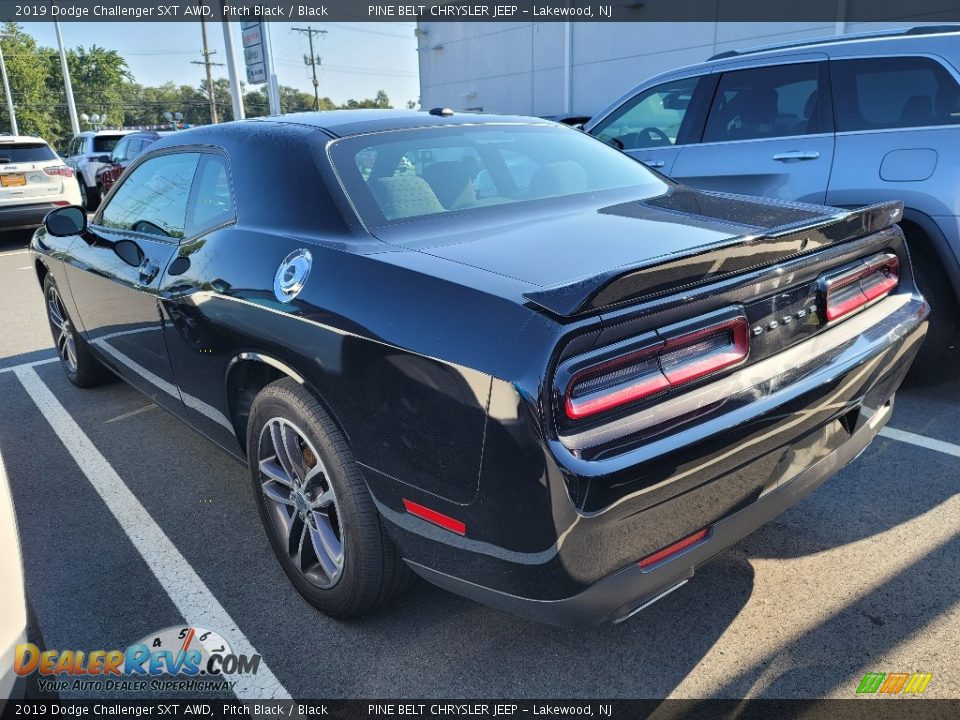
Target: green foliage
(103, 85)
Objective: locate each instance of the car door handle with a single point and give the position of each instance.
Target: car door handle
(148, 271)
(796, 155)
(653, 163)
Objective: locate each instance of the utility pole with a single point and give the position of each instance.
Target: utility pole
(312, 61)
(208, 64)
(236, 92)
(14, 130)
(67, 85)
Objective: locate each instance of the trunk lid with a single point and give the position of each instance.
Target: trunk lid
(583, 256)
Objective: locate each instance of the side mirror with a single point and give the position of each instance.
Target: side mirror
(103, 159)
(66, 221)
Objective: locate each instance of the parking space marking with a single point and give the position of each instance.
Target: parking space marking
(174, 573)
(14, 368)
(8, 253)
(921, 441)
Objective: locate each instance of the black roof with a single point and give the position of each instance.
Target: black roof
(354, 122)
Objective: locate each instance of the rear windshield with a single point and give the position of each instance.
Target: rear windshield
(105, 143)
(408, 174)
(25, 152)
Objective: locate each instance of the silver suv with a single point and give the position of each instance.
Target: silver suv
(843, 121)
(88, 152)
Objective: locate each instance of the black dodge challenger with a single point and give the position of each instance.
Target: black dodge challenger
(490, 351)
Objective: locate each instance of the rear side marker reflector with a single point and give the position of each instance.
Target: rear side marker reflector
(670, 550)
(850, 290)
(432, 516)
(663, 365)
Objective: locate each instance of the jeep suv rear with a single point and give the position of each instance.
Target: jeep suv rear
(844, 121)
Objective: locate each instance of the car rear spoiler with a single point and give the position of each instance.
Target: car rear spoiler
(712, 262)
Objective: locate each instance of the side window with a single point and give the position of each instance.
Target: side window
(133, 149)
(212, 198)
(651, 119)
(770, 102)
(893, 92)
(153, 199)
(119, 151)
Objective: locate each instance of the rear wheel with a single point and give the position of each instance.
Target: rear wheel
(317, 512)
(935, 287)
(76, 359)
(89, 197)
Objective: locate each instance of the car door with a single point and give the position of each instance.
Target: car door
(655, 123)
(769, 132)
(198, 353)
(114, 271)
(73, 152)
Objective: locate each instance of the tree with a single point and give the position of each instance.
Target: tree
(380, 101)
(27, 74)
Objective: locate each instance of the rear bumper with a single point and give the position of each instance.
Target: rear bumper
(535, 547)
(621, 594)
(23, 217)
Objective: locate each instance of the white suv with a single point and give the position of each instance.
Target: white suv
(33, 181)
(87, 153)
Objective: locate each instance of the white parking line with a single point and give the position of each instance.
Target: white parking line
(181, 582)
(14, 252)
(921, 441)
(14, 368)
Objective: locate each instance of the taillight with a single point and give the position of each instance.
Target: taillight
(61, 170)
(681, 356)
(849, 290)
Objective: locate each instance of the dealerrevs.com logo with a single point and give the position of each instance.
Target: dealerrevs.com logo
(176, 658)
(894, 683)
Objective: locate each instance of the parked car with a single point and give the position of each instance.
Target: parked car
(558, 400)
(86, 154)
(846, 121)
(123, 153)
(33, 181)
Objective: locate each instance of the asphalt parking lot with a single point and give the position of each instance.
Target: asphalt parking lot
(130, 522)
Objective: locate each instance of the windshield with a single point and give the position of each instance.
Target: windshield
(408, 174)
(105, 143)
(25, 152)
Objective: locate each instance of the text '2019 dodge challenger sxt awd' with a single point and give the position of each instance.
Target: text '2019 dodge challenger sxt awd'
(492, 351)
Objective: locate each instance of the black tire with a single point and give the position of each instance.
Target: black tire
(89, 197)
(79, 364)
(372, 571)
(935, 287)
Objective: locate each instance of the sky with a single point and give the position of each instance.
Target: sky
(358, 59)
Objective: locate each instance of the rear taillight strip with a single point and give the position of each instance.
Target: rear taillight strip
(61, 170)
(676, 361)
(847, 291)
(804, 357)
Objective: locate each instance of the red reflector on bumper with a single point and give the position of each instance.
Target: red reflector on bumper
(673, 549)
(432, 516)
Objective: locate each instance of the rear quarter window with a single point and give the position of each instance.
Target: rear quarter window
(106, 143)
(894, 92)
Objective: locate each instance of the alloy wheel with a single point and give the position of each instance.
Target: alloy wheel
(63, 331)
(301, 502)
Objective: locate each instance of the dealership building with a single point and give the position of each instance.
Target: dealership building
(576, 68)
